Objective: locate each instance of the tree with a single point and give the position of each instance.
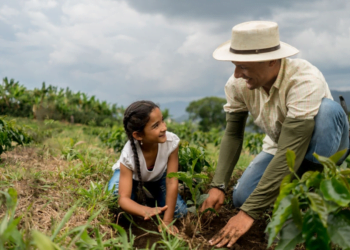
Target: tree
(209, 111)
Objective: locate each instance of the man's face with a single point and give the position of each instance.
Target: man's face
(256, 74)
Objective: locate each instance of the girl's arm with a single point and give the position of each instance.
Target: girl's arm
(126, 203)
(171, 186)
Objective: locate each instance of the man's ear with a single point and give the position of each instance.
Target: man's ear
(137, 135)
(272, 63)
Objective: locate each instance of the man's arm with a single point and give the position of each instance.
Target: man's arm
(231, 146)
(230, 149)
(295, 135)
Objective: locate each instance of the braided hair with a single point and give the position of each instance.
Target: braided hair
(136, 117)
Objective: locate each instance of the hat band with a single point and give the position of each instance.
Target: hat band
(254, 51)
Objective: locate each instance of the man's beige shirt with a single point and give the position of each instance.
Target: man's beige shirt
(296, 93)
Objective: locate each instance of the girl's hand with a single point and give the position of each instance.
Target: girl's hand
(152, 211)
(171, 229)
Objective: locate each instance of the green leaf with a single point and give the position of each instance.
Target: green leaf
(122, 233)
(337, 156)
(64, 221)
(202, 198)
(290, 236)
(331, 206)
(285, 190)
(345, 172)
(212, 210)
(314, 180)
(192, 210)
(189, 202)
(296, 213)
(314, 233)
(13, 194)
(307, 175)
(42, 241)
(286, 180)
(86, 238)
(334, 190)
(318, 206)
(327, 162)
(200, 176)
(283, 211)
(290, 160)
(339, 228)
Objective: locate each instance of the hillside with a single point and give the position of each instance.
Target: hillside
(178, 109)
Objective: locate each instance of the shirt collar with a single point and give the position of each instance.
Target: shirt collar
(280, 76)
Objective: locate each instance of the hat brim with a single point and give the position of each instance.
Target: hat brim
(222, 53)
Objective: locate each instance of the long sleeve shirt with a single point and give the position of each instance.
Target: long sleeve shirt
(286, 115)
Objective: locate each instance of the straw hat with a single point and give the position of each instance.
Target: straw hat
(254, 41)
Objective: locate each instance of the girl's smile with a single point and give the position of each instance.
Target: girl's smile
(155, 128)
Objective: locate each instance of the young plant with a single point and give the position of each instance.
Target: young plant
(192, 159)
(194, 181)
(313, 209)
(10, 236)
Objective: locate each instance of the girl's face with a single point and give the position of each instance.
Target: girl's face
(155, 129)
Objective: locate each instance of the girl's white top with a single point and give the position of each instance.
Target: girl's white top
(160, 166)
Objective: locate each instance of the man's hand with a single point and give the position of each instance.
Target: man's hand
(234, 229)
(152, 211)
(215, 200)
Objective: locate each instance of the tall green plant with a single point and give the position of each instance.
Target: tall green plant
(10, 132)
(313, 209)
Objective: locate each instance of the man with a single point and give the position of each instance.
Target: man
(290, 100)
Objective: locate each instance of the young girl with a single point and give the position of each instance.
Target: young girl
(149, 155)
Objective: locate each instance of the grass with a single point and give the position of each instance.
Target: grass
(67, 168)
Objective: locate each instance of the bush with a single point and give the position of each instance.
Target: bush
(314, 209)
(116, 138)
(9, 133)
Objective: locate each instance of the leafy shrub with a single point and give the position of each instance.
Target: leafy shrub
(10, 132)
(253, 142)
(54, 103)
(116, 138)
(189, 155)
(190, 133)
(314, 209)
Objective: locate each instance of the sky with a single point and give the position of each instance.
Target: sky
(160, 50)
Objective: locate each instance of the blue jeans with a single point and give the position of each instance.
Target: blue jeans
(156, 188)
(330, 135)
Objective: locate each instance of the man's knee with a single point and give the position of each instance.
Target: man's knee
(239, 196)
(330, 108)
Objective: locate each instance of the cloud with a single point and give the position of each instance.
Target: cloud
(39, 4)
(122, 51)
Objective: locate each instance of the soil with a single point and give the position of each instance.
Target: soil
(255, 238)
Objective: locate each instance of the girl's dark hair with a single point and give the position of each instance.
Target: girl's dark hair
(136, 116)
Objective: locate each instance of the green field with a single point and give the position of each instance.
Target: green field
(54, 192)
